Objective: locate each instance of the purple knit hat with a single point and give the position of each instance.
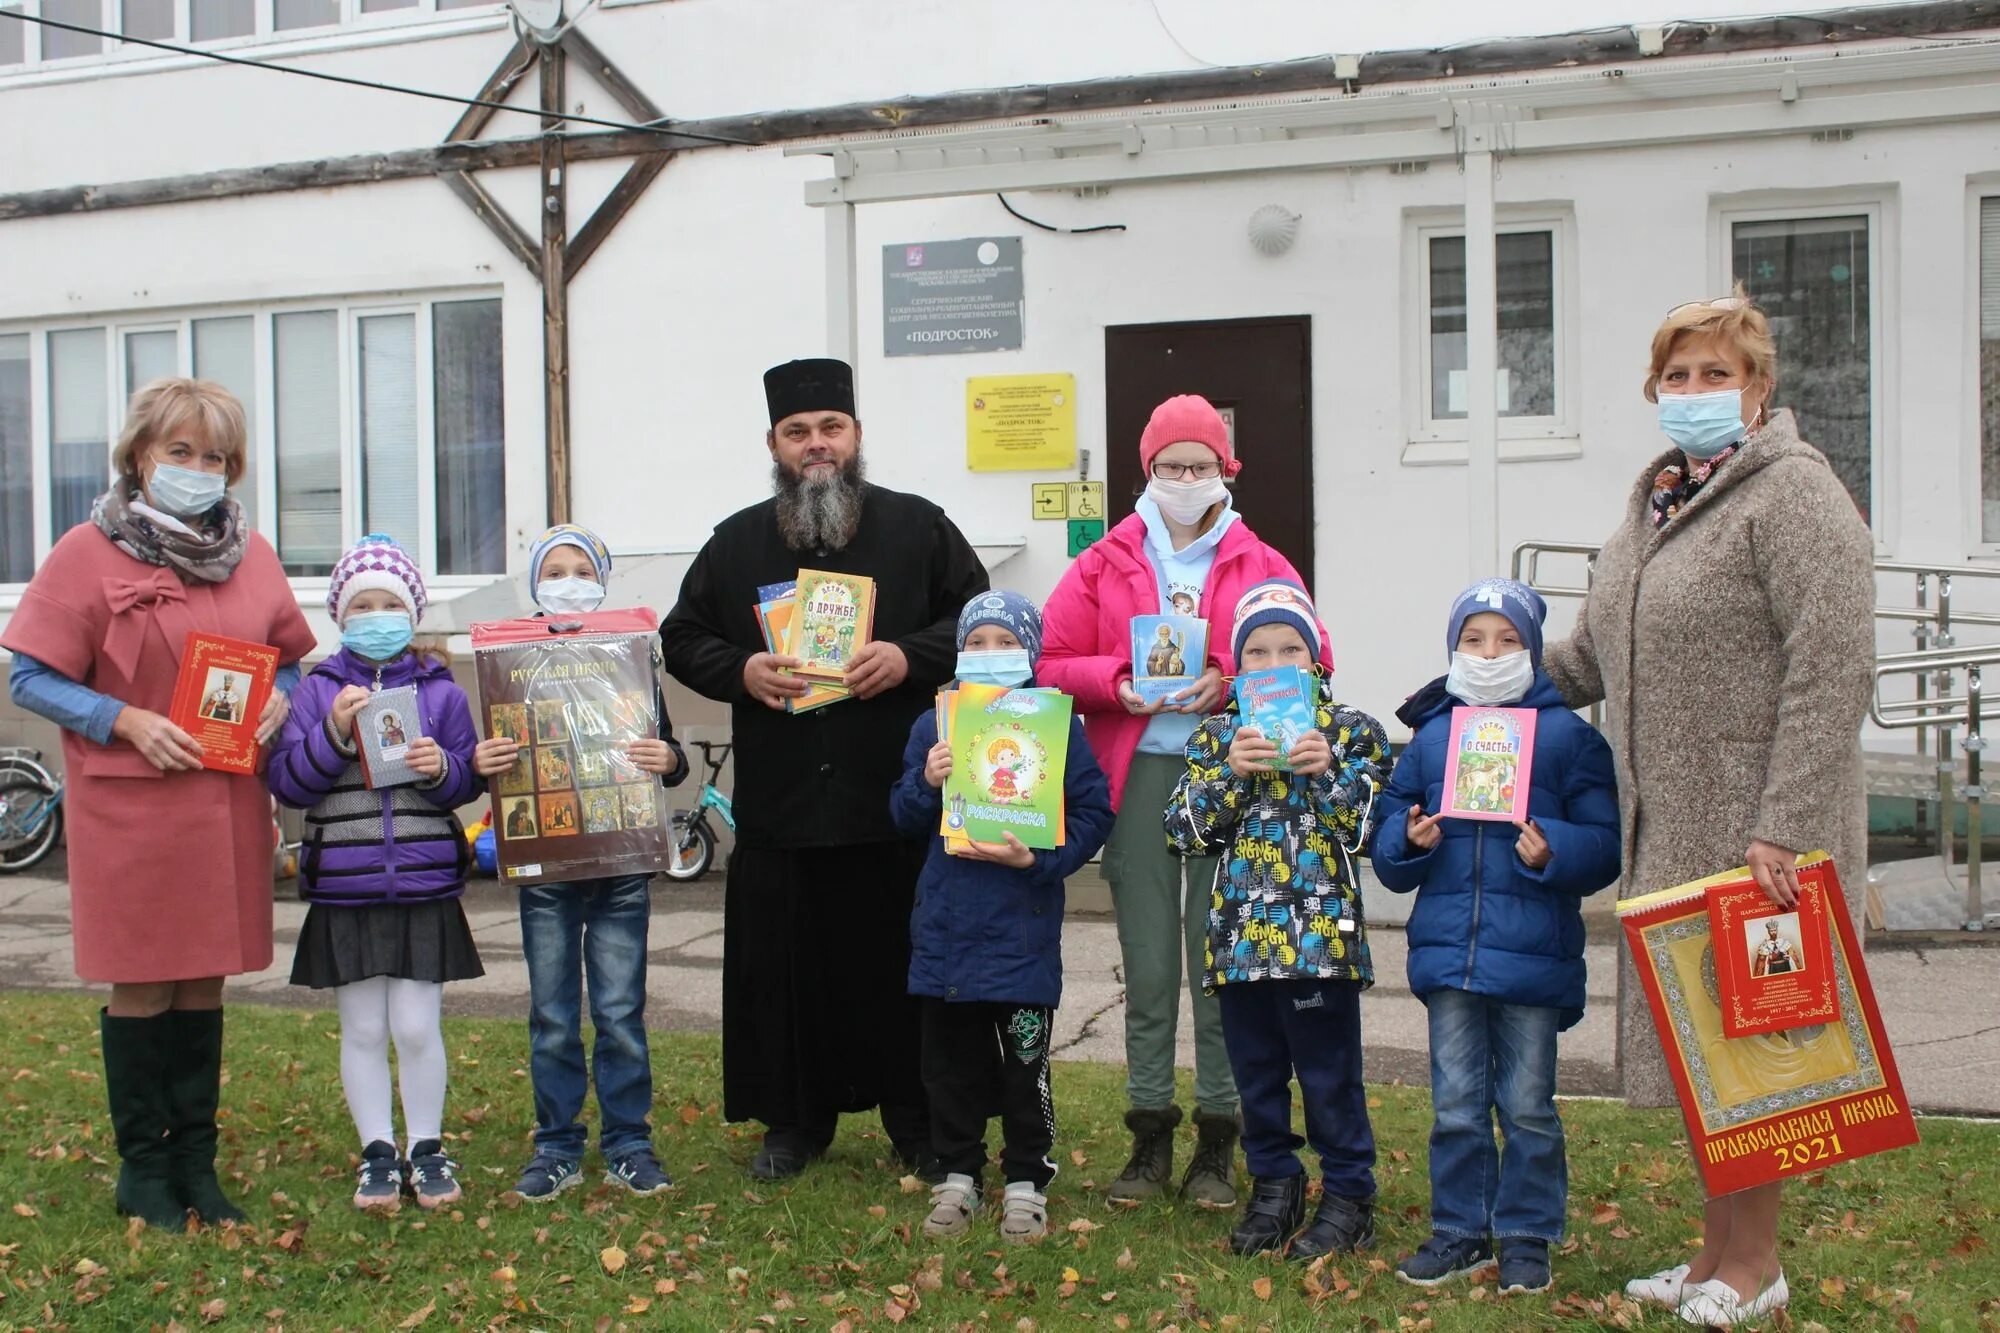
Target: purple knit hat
(375, 562)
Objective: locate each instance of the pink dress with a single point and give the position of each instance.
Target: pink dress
(170, 873)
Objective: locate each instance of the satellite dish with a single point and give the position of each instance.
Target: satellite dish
(541, 17)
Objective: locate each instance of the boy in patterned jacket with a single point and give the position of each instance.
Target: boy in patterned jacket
(1287, 952)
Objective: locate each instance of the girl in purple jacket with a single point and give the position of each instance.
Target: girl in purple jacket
(383, 869)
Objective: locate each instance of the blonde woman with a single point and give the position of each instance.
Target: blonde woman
(169, 863)
(1729, 632)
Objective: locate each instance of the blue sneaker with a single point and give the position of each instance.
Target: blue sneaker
(1524, 1266)
(1442, 1258)
(546, 1177)
(431, 1178)
(640, 1172)
(380, 1179)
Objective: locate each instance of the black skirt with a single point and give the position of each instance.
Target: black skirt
(418, 942)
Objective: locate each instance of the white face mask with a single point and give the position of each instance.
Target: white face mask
(568, 596)
(1187, 501)
(1489, 682)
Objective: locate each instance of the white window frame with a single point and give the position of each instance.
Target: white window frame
(1978, 189)
(1877, 204)
(351, 28)
(348, 311)
(1435, 441)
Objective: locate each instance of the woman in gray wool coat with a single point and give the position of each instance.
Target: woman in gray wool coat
(1729, 633)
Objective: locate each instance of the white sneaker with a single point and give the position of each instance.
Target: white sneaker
(1715, 1304)
(1662, 1288)
(1024, 1216)
(952, 1205)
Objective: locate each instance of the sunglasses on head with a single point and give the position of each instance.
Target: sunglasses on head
(1719, 303)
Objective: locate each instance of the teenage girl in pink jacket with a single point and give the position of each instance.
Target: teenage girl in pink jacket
(1184, 551)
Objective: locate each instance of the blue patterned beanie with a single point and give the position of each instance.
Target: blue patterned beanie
(1011, 612)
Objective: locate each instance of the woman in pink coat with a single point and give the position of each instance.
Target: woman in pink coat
(1184, 551)
(169, 862)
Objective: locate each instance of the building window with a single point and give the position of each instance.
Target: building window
(17, 469)
(1814, 279)
(190, 20)
(379, 419)
(1989, 370)
(1527, 319)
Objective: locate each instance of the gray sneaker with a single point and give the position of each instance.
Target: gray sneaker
(953, 1203)
(546, 1177)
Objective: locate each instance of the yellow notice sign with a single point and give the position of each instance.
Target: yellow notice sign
(1020, 423)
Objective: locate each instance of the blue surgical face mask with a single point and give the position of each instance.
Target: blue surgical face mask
(1703, 424)
(377, 635)
(1009, 668)
(568, 596)
(184, 492)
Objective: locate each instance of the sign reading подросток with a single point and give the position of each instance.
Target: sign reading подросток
(952, 296)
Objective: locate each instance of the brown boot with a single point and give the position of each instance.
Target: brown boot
(1152, 1163)
(1211, 1177)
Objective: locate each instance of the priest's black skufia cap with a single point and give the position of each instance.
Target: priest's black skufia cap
(819, 384)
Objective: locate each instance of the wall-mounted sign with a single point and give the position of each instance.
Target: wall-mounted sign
(1020, 423)
(1082, 532)
(1051, 500)
(1085, 499)
(952, 296)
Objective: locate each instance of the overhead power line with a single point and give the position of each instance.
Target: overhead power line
(568, 117)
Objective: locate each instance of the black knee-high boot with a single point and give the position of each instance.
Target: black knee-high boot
(135, 1083)
(194, 1086)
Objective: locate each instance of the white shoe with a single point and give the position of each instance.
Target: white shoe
(1662, 1288)
(952, 1205)
(1024, 1216)
(1714, 1304)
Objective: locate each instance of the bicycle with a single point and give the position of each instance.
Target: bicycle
(694, 840)
(31, 809)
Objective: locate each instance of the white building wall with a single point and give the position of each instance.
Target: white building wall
(718, 272)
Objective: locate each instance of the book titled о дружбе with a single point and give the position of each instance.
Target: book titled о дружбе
(219, 694)
(1775, 1105)
(835, 617)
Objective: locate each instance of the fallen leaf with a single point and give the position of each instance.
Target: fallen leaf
(1833, 1288)
(1081, 1224)
(910, 1184)
(25, 1210)
(1126, 1262)
(666, 1286)
(505, 1274)
(1071, 1275)
(639, 1305)
(1262, 1286)
(877, 1210)
(895, 1312)
(420, 1314)
(214, 1310)
(612, 1258)
(1604, 1214)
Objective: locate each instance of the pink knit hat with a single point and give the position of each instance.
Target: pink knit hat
(1187, 417)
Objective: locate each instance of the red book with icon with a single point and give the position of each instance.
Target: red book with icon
(1773, 965)
(220, 694)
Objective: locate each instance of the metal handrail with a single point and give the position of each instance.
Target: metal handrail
(1971, 711)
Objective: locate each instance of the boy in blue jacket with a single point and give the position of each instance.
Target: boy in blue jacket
(1496, 941)
(986, 946)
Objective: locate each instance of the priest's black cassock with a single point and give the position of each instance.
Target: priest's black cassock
(816, 1018)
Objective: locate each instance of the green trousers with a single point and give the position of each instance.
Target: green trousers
(1162, 905)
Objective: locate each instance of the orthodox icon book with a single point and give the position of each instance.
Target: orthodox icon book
(1488, 759)
(220, 694)
(1169, 654)
(1775, 1105)
(1009, 753)
(384, 729)
(1773, 965)
(1278, 703)
(836, 615)
(574, 692)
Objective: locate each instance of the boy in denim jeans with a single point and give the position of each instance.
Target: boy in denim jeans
(1496, 941)
(591, 932)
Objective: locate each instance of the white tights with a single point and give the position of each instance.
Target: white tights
(372, 1011)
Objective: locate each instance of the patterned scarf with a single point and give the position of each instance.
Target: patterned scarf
(1677, 485)
(208, 553)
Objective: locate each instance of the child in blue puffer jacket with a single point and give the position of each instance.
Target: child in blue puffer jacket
(986, 946)
(1496, 941)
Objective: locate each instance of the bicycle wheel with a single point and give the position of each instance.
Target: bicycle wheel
(31, 819)
(695, 846)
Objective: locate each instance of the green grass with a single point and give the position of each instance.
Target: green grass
(1899, 1241)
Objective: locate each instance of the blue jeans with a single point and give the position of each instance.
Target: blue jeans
(1489, 1057)
(594, 929)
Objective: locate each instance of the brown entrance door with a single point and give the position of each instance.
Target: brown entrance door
(1258, 373)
